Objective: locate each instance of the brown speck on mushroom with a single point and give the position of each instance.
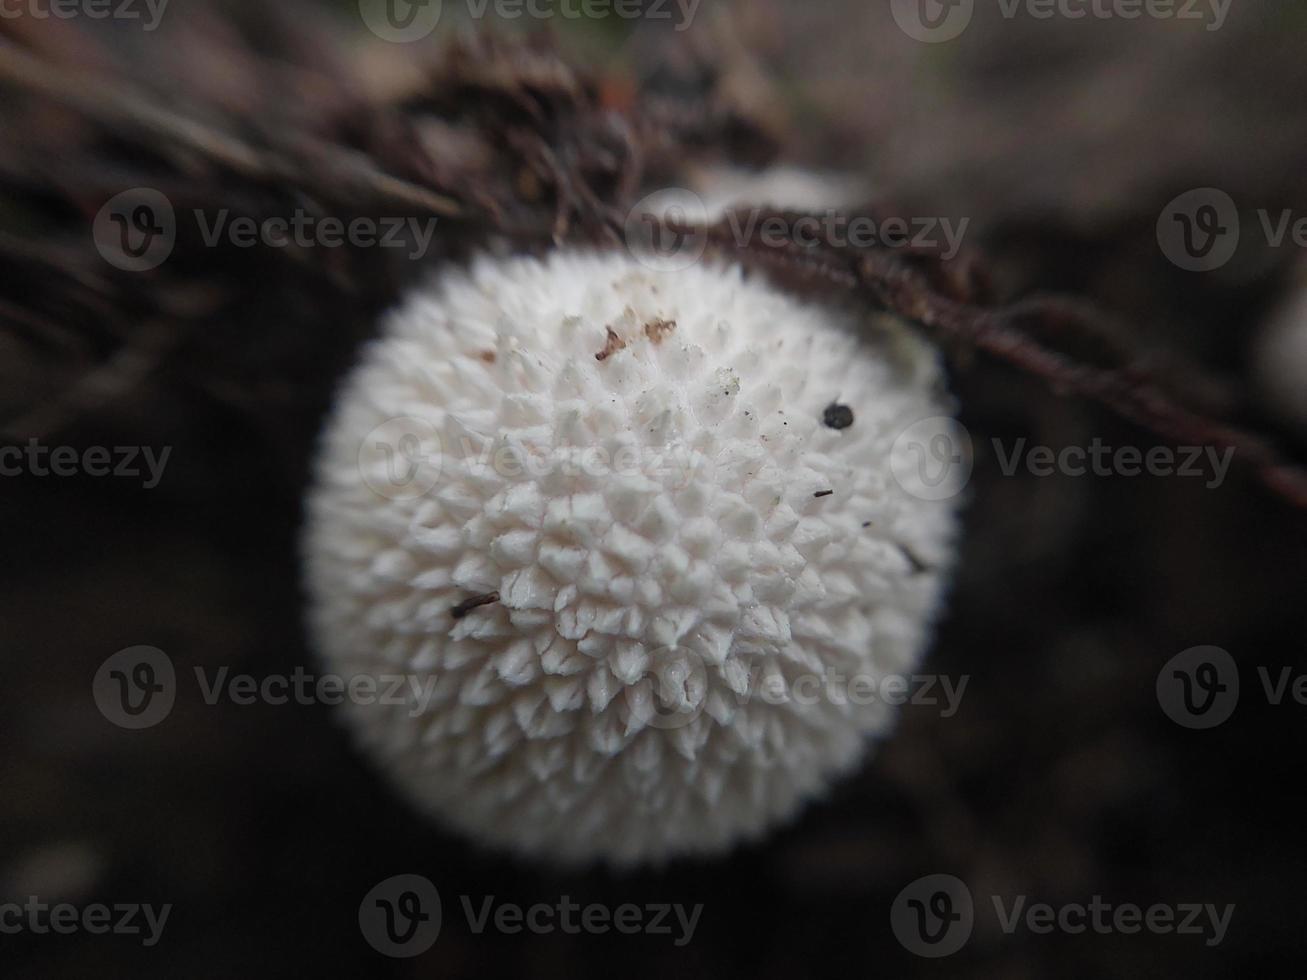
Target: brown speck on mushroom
(657, 330)
(467, 605)
(824, 493)
(837, 416)
(918, 566)
(611, 346)
(488, 356)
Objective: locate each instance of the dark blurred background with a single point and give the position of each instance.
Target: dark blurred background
(1060, 778)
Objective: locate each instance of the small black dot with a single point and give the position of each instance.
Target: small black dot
(837, 416)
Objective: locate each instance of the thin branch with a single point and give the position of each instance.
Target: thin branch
(108, 104)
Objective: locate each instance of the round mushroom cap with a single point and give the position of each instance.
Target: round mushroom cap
(630, 549)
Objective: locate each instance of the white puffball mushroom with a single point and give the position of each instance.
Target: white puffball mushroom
(783, 187)
(634, 541)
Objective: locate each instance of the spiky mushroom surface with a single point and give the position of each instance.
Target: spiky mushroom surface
(595, 507)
